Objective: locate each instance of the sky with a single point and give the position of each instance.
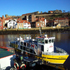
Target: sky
(19, 7)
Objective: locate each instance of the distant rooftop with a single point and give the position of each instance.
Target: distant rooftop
(4, 53)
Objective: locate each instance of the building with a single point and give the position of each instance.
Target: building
(55, 11)
(50, 23)
(7, 20)
(23, 24)
(20, 24)
(50, 11)
(1, 23)
(61, 21)
(39, 22)
(3, 18)
(27, 25)
(11, 24)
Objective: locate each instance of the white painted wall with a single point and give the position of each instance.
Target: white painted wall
(26, 25)
(6, 21)
(11, 24)
(6, 61)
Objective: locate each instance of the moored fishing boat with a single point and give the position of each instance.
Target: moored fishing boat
(42, 48)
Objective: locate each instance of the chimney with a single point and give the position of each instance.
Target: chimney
(3, 17)
(0, 18)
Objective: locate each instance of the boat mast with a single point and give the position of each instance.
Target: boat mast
(40, 28)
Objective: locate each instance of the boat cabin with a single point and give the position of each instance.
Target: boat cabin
(46, 43)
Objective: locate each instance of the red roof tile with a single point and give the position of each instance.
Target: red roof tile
(26, 14)
(23, 21)
(8, 18)
(19, 19)
(50, 11)
(40, 19)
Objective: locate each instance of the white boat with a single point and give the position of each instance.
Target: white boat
(42, 48)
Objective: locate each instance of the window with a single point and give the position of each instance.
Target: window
(46, 41)
(38, 40)
(50, 41)
(38, 24)
(42, 48)
(24, 44)
(24, 48)
(21, 47)
(24, 23)
(42, 40)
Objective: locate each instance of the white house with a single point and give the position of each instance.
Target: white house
(27, 25)
(23, 24)
(11, 24)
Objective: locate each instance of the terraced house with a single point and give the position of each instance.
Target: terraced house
(23, 24)
(39, 22)
(1, 23)
(61, 21)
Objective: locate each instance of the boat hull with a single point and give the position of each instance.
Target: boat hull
(55, 59)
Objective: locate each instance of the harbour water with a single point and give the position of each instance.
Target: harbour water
(62, 40)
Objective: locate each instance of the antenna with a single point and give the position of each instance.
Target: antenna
(40, 28)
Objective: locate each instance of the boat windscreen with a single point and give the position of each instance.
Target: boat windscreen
(40, 40)
(46, 41)
(53, 40)
(49, 41)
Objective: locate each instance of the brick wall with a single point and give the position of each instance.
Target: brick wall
(1, 25)
(40, 24)
(33, 18)
(63, 22)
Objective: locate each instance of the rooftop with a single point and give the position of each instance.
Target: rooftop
(4, 53)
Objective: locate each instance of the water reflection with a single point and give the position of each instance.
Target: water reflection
(62, 40)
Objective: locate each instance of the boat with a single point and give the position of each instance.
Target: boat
(42, 48)
(6, 58)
